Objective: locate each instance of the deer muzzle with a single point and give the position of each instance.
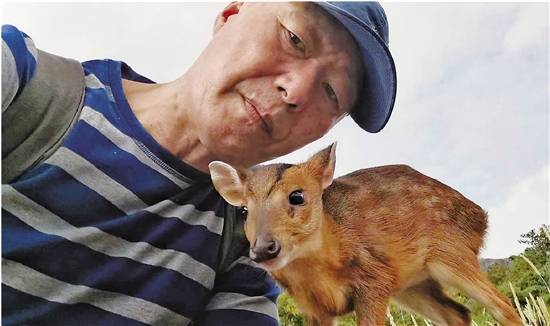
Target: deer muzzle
(265, 248)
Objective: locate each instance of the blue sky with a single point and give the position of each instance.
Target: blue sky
(472, 107)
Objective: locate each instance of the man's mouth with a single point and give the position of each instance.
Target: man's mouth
(254, 106)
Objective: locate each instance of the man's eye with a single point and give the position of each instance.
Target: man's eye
(330, 93)
(243, 212)
(296, 41)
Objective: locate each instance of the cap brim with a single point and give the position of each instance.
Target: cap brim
(377, 98)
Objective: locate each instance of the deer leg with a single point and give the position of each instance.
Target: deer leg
(428, 300)
(320, 321)
(467, 277)
(370, 306)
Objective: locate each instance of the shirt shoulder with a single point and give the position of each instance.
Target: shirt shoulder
(19, 60)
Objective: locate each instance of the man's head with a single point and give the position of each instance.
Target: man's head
(275, 77)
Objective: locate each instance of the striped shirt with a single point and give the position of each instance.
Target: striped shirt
(112, 229)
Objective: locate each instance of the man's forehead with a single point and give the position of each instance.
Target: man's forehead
(313, 13)
(300, 10)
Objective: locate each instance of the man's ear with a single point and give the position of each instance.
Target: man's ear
(322, 165)
(230, 10)
(228, 181)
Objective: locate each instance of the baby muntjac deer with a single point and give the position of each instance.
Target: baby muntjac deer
(352, 243)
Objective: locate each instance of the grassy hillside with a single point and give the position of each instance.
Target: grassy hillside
(524, 279)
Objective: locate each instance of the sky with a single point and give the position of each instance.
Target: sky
(472, 107)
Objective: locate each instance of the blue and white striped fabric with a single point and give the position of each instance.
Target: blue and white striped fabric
(112, 229)
(18, 69)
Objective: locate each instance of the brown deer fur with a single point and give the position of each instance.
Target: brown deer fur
(361, 239)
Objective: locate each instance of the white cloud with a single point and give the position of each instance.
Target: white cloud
(432, 41)
(158, 40)
(428, 39)
(529, 30)
(524, 208)
(469, 111)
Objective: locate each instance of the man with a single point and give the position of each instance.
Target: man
(119, 223)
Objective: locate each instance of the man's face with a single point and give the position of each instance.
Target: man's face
(275, 77)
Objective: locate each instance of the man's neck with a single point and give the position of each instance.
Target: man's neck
(160, 108)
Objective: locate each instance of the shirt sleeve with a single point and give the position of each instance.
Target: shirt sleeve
(18, 62)
(245, 295)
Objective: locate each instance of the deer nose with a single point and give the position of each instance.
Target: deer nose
(264, 248)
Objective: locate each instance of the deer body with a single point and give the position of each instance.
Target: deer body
(360, 240)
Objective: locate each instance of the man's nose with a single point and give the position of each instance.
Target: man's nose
(297, 86)
(265, 248)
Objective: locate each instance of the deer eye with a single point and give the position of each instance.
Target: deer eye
(296, 197)
(242, 212)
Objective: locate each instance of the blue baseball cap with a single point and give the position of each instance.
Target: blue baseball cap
(367, 23)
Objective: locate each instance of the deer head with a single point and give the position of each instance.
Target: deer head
(284, 204)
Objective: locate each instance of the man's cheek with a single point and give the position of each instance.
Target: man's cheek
(225, 130)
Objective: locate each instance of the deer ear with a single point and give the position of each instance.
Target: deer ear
(322, 165)
(228, 181)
